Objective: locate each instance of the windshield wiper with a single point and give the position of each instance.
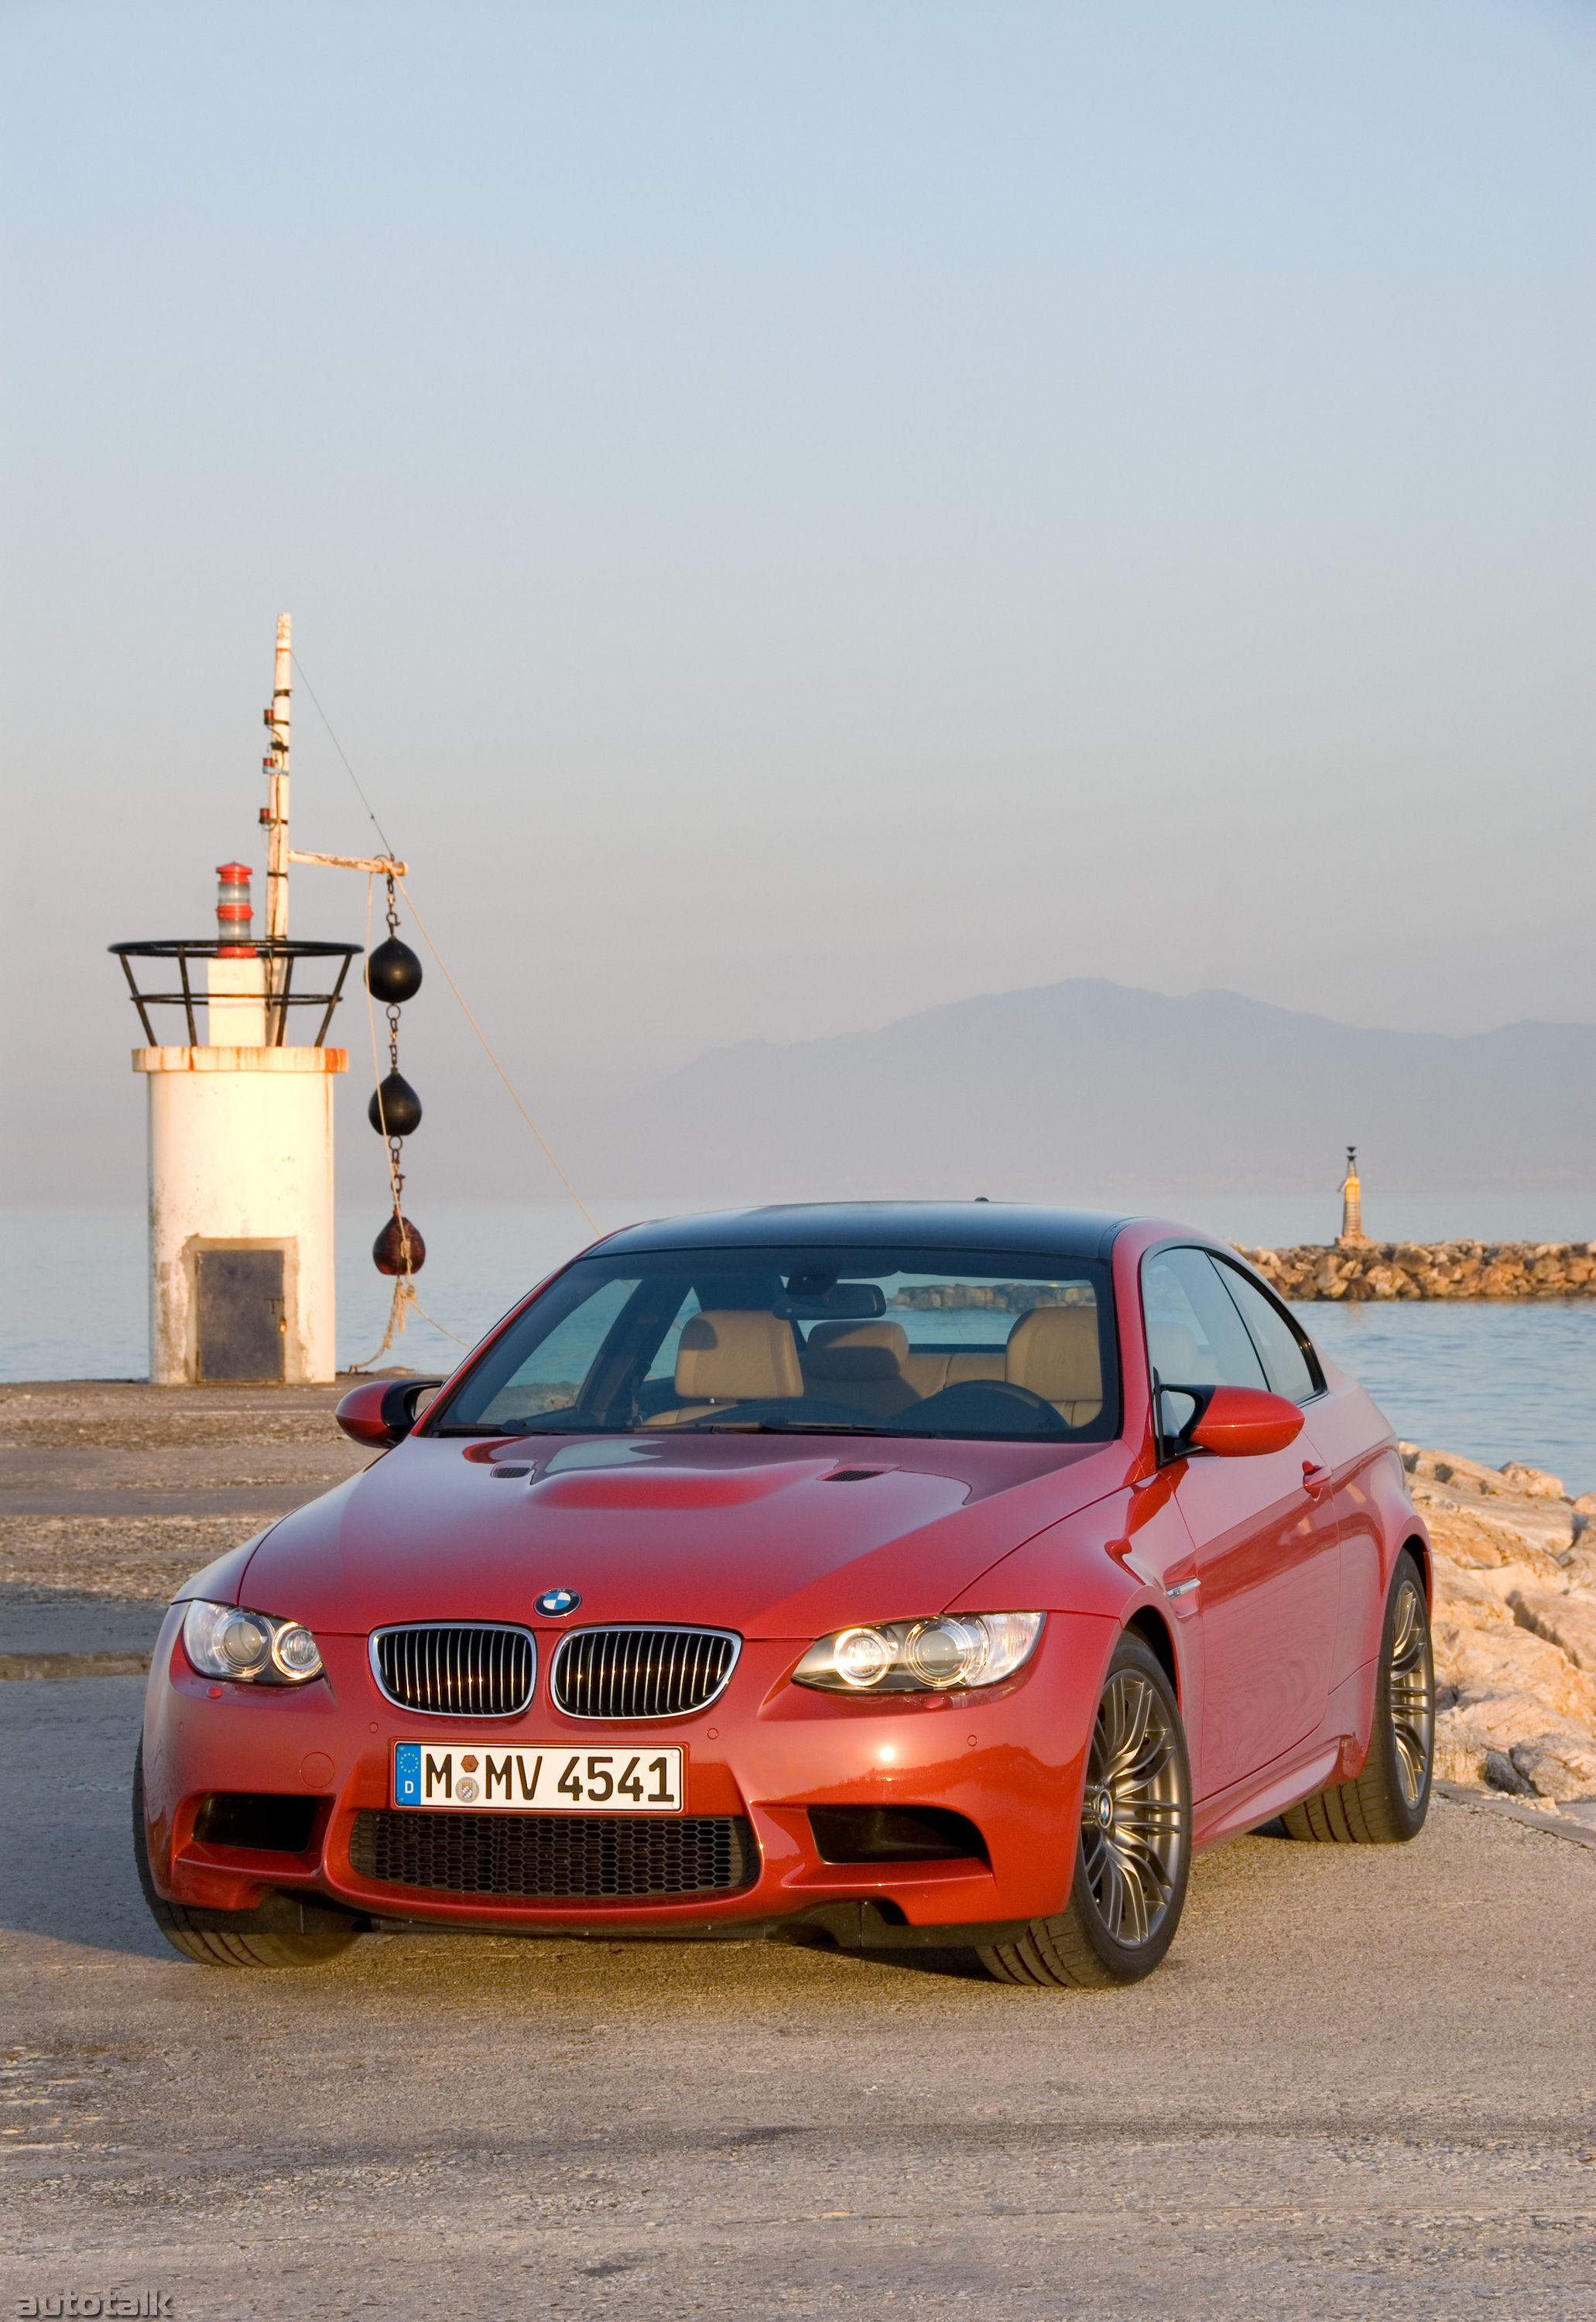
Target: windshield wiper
(823, 1427)
(775, 1427)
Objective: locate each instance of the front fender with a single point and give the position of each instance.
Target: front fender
(220, 1583)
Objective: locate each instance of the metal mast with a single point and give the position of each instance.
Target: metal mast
(274, 814)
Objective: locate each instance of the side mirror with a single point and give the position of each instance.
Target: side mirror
(1241, 1421)
(381, 1413)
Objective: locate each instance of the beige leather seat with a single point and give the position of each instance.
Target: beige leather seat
(929, 1374)
(1053, 1351)
(859, 1363)
(727, 1357)
(870, 1364)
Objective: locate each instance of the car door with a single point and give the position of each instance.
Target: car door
(1263, 1533)
(1352, 1438)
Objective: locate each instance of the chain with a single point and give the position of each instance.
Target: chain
(394, 1144)
(406, 1301)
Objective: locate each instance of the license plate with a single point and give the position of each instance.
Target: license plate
(538, 1778)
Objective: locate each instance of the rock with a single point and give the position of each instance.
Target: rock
(1514, 1711)
(1501, 1282)
(1530, 1535)
(1456, 1270)
(1467, 1598)
(1555, 1766)
(1510, 1684)
(1461, 1758)
(1567, 1620)
(1578, 1568)
(1387, 1282)
(1458, 1474)
(1534, 1482)
(1499, 1773)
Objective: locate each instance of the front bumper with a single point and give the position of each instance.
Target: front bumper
(1010, 1759)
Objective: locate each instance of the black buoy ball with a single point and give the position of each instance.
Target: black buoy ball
(393, 974)
(394, 1110)
(387, 1251)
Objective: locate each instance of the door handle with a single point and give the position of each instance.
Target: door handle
(1315, 1479)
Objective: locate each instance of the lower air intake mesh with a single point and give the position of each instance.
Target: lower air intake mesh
(555, 1857)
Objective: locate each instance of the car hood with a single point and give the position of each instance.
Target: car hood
(773, 1537)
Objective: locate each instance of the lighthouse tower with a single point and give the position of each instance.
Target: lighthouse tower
(1352, 1235)
(241, 1127)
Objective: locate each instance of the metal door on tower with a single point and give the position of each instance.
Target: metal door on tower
(240, 1314)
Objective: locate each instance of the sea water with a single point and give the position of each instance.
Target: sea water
(1495, 1381)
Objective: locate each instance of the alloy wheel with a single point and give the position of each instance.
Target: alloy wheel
(1411, 1692)
(1132, 1820)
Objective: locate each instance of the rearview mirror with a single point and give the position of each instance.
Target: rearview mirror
(808, 1300)
(1240, 1421)
(381, 1413)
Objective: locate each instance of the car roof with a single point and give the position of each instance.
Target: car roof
(979, 1225)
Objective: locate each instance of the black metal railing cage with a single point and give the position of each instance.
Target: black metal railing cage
(281, 957)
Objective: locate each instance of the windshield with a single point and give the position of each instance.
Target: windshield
(857, 1341)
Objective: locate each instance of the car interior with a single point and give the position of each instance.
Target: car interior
(727, 1357)
(757, 1338)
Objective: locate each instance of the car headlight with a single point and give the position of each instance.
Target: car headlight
(929, 1656)
(225, 1641)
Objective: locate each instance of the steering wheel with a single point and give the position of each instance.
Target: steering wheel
(977, 1406)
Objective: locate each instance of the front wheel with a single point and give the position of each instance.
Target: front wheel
(1387, 1804)
(1134, 1850)
(282, 1932)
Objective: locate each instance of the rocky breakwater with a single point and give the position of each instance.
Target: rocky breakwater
(1515, 1630)
(1442, 1269)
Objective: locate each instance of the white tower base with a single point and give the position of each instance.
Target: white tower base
(241, 1213)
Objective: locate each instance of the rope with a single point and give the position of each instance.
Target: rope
(404, 1300)
(494, 1061)
(347, 769)
(403, 1297)
(433, 947)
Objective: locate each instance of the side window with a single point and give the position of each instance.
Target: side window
(1195, 1336)
(1286, 1365)
(551, 1376)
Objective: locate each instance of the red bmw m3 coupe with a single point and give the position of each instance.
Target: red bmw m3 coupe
(896, 1574)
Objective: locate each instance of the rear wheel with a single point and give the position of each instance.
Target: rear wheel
(1387, 1804)
(1134, 1850)
(284, 1932)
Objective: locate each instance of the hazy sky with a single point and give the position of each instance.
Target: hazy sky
(800, 512)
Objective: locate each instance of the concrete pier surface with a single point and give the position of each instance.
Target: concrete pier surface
(1363, 2083)
(112, 1493)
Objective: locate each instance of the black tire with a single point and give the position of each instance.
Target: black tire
(1133, 1854)
(1386, 1804)
(284, 1932)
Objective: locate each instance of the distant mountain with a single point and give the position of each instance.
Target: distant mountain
(1088, 1087)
